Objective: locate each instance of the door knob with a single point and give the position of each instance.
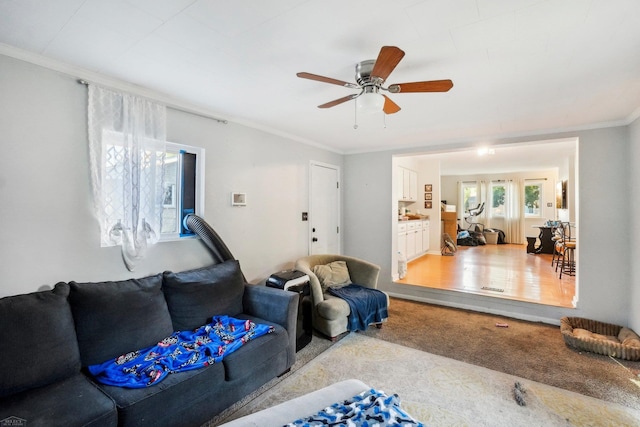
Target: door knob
(315, 239)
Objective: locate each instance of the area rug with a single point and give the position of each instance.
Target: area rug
(531, 350)
(444, 392)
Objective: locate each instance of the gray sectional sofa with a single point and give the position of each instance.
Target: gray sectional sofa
(47, 339)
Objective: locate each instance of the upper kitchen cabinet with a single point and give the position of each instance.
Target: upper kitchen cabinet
(407, 181)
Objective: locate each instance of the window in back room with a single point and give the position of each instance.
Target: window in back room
(470, 196)
(533, 198)
(498, 199)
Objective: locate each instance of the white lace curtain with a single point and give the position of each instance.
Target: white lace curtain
(514, 213)
(127, 136)
(514, 208)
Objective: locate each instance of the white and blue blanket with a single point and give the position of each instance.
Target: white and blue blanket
(367, 305)
(182, 351)
(367, 409)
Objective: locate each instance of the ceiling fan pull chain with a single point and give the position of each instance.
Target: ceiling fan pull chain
(384, 121)
(355, 116)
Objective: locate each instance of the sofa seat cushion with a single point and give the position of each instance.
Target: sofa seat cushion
(155, 405)
(195, 296)
(332, 307)
(38, 339)
(242, 362)
(75, 401)
(113, 318)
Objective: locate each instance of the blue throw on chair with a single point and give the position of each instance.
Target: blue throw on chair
(367, 305)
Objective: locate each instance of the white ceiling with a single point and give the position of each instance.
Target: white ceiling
(519, 67)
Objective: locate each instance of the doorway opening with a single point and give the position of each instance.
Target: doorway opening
(469, 177)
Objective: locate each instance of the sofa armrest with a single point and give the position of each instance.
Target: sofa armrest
(363, 272)
(305, 267)
(274, 305)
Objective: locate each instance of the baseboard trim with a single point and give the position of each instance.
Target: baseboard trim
(520, 316)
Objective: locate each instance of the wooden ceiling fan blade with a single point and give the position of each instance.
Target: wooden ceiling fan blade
(338, 101)
(387, 60)
(326, 80)
(430, 86)
(390, 107)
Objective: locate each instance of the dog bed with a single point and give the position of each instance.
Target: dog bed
(601, 338)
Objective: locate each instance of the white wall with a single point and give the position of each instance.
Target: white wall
(604, 272)
(429, 173)
(633, 231)
(49, 232)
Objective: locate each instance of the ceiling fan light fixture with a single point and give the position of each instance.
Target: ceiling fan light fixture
(370, 102)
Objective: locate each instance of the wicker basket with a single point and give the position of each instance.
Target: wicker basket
(607, 348)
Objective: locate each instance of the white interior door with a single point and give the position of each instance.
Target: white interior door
(324, 209)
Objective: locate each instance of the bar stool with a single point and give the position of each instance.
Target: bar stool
(566, 248)
(568, 262)
(557, 238)
(561, 235)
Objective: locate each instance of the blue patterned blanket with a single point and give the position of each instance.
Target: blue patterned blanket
(182, 351)
(367, 305)
(369, 408)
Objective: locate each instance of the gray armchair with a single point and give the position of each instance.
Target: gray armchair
(330, 312)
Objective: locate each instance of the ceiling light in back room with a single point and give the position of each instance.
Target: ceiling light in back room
(486, 151)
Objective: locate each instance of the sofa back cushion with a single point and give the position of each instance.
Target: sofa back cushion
(195, 296)
(38, 340)
(113, 318)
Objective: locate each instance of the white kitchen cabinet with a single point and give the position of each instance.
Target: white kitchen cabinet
(425, 236)
(407, 184)
(402, 239)
(400, 183)
(411, 244)
(413, 238)
(413, 186)
(418, 233)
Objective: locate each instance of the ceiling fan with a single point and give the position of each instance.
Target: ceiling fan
(370, 75)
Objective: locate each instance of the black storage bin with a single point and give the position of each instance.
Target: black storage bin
(296, 281)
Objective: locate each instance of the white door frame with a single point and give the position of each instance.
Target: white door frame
(313, 164)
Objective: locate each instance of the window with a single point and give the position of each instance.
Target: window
(183, 188)
(470, 196)
(498, 196)
(533, 199)
(182, 180)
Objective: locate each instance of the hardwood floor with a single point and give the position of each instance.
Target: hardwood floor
(502, 271)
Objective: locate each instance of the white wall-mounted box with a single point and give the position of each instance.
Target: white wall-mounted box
(238, 199)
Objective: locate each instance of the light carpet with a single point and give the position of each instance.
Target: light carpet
(443, 392)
